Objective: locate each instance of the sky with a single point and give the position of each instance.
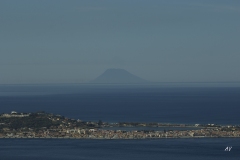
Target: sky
(74, 41)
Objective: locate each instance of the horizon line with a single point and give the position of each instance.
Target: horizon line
(53, 83)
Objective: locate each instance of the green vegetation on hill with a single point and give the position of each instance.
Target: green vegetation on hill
(40, 120)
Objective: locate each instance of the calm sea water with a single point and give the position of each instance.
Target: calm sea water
(219, 105)
(174, 104)
(166, 149)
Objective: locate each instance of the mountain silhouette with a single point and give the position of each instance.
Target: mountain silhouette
(118, 76)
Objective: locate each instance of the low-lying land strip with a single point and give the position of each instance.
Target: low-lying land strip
(46, 125)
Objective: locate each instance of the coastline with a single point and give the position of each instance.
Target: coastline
(43, 125)
(195, 137)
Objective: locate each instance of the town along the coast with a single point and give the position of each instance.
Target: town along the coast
(47, 125)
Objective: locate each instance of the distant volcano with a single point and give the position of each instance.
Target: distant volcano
(118, 76)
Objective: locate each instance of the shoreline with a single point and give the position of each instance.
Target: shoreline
(42, 125)
(88, 138)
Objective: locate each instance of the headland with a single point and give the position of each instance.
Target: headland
(47, 125)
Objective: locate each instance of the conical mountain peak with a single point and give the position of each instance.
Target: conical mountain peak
(118, 76)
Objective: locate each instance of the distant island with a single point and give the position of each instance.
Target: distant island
(121, 76)
(46, 125)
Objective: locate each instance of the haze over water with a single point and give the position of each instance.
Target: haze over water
(61, 41)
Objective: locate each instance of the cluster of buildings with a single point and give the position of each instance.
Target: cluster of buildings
(14, 114)
(101, 133)
(62, 127)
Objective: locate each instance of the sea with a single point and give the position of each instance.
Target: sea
(179, 103)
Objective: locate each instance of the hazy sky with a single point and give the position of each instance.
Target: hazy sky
(74, 41)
